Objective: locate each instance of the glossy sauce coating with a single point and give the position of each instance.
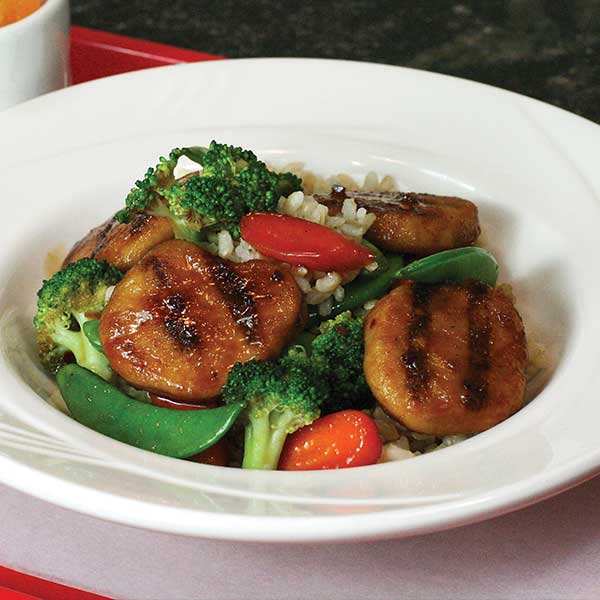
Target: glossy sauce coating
(181, 318)
(122, 244)
(446, 359)
(412, 223)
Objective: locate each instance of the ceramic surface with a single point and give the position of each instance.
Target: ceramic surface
(70, 158)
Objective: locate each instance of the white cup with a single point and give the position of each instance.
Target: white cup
(34, 54)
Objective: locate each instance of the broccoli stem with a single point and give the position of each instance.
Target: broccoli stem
(181, 229)
(85, 354)
(182, 232)
(256, 443)
(263, 441)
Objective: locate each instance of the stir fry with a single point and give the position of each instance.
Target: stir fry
(238, 315)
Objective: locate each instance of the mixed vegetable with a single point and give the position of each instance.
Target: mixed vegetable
(233, 182)
(187, 353)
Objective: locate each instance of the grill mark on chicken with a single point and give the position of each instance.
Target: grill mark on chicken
(178, 324)
(377, 202)
(138, 223)
(476, 382)
(410, 222)
(136, 227)
(162, 273)
(476, 356)
(415, 357)
(173, 325)
(234, 290)
(101, 237)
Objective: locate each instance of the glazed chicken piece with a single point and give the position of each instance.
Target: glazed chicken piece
(181, 318)
(446, 359)
(122, 244)
(412, 223)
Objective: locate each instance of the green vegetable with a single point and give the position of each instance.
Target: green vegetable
(324, 373)
(366, 287)
(362, 289)
(92, 333)
(178, 433)
(454, 266)
(338, 353)
(279, 398)
(146, 195)
(232, 183)
(66, 302)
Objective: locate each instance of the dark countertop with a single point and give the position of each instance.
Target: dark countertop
(548, 49)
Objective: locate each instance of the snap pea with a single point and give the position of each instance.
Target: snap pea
(453, 266)
(92, 333)
(362, 289)
(178, 433)
(353, 296)
(366, 287)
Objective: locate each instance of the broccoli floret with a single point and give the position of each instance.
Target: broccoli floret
(66, 301)
(233, 182)
(338, 352)
(243, 169)
(147, 194)
(280, 398)
(204, 202)
(324, 377)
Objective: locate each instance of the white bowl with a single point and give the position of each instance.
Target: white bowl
(70, 157)
(34, 54)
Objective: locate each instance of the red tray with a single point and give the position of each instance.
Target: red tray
(17, 586)
(96, 54)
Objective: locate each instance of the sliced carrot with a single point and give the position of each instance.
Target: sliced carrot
(348, 438)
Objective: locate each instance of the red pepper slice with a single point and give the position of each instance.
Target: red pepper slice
(217, 454)
(301, 242)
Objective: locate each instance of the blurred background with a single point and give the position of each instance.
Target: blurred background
(548, 49)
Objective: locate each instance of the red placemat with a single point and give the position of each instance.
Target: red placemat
(96, 54)
(17, 586)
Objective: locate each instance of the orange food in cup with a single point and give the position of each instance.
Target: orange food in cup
(15, 10)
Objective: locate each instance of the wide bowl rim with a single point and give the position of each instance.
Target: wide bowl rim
(330, 528)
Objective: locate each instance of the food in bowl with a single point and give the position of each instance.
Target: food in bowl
(274, 319)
